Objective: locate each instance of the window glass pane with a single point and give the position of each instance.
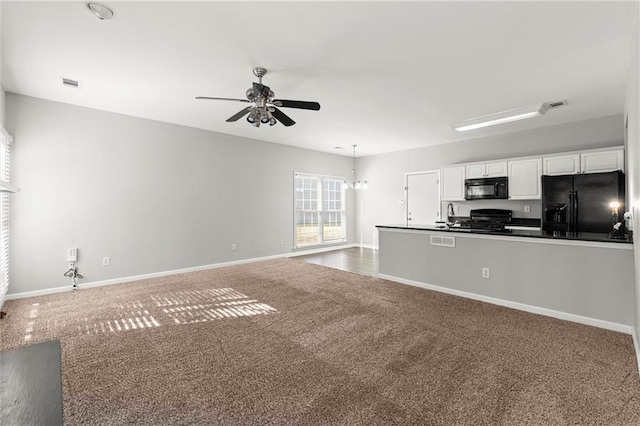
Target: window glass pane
(332, 226)
(307, 228)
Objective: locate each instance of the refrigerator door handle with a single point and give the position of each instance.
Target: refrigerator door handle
(575, 211)
(570, 212)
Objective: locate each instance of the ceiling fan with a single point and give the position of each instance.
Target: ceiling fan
(265, 109)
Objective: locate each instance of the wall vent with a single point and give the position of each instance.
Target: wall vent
(437, 240)
(70, 83)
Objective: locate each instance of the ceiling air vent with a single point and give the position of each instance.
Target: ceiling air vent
(556, 104)
(70, 83)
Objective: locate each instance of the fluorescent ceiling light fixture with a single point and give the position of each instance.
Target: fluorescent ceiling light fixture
(506, 116)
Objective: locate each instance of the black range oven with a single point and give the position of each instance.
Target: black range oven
(494, 188)
(493, 220)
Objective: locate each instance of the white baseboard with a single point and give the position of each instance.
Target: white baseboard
(368, 246)
(622, 328)
(62, 289)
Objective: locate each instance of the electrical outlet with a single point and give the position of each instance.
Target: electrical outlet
(281, 241)
(401, 202)
(234, 247)
(527, 209)
(486, 273)
(456, 208)
(106, 261)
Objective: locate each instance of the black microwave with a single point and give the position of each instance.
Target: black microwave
(494, 188)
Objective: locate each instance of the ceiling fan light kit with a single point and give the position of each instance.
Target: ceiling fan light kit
(507, 116)
(264, 110)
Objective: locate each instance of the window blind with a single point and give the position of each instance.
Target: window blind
(5, 176)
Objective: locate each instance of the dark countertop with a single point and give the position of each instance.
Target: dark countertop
(580, 236)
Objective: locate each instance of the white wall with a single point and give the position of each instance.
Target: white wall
(633, 158)
(152, 196)
(385, 172)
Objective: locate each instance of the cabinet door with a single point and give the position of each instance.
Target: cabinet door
(524, 179)
(475, 171)
(602, 161)
(453, 183)
(561, 165)
(495, 169)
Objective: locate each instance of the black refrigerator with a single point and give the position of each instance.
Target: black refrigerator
(582, 203)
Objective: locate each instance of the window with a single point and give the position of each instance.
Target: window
(5, 161)
(319, 210)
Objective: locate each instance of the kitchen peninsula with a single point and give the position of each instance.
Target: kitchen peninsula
(584, 278)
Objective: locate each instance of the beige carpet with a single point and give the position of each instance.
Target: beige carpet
(285, 342)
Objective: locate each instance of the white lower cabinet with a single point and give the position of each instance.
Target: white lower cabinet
(524, 179)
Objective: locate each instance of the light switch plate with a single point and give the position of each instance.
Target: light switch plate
(72, 255)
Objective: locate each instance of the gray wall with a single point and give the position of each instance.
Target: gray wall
(593, 282)
(2, 95)
(633, 158)
(152, 196)
(2, 105)
(385, 172)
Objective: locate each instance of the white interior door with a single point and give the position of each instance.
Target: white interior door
(423, 198)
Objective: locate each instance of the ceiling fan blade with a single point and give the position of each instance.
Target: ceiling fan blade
(240, 114)
(285, 103)
(222, 99)
(282, 117)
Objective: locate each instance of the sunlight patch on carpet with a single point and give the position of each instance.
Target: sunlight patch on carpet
(190, 314)
(132, 320)
(33, 314)
(196, 296)
(151, 311)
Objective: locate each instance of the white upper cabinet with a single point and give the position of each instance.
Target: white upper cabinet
(602, 161)
(561, 165)
(524, 179)
(524, 173)
(584, 162)
(453, 183)
(496, 169)
(475, 171)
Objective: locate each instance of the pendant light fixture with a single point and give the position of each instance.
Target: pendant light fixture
(356, 184)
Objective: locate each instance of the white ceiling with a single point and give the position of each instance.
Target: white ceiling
(389, 75)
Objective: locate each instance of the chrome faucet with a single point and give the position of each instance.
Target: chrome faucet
(450, 211)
